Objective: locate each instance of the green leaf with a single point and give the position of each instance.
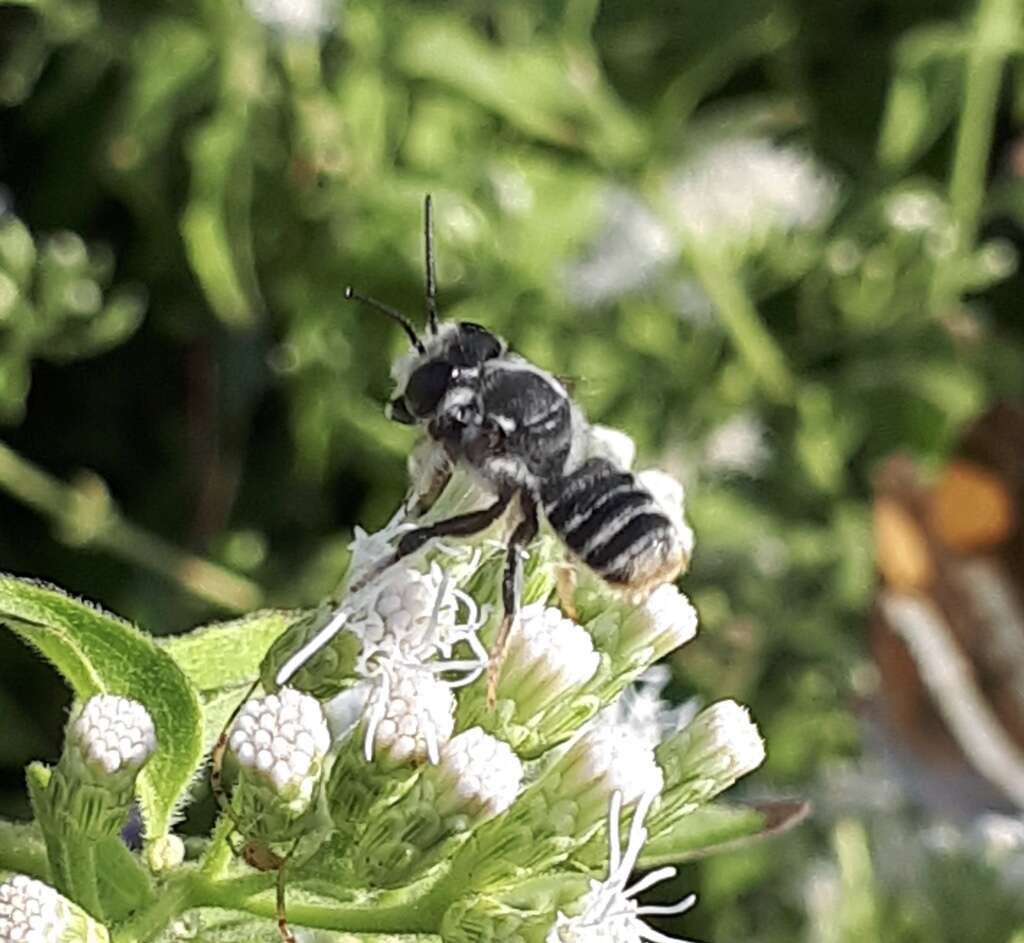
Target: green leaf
(96, 653)
(719, 828)
(22, 849)
(226, 654)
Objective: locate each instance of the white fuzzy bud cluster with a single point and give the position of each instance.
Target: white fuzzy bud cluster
(606, 760)
(743, 188)
(33, 912)
(548, 655)
(410, 614)
(30, 911)
(478, 774)
(112, 735)
(409, 719)
(282, 739)
(729, 739)
(663, 622)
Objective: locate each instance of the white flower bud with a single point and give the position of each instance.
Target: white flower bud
(410, 719)
(610, 759)
(112, 734)
(548, 655)
(664, 621)
(410, 612)
(609, 912)
(33, 912)
(282, 740)
(478, 774)
(730, 737)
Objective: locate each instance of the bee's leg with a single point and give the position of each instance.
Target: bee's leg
(429, 479)
(462, 525)
(511, 591)
(217, 756)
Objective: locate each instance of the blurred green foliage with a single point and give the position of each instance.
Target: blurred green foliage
(244, 173)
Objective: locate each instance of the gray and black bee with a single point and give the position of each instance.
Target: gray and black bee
(514, 426)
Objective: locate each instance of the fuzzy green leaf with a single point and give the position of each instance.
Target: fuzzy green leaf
(718, 828)
(226, 654)
(97, 653)
(22, 849)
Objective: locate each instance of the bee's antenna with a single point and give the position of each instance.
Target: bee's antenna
(428, 232)
(351, 294)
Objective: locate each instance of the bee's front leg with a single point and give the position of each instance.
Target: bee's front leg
(511, 591)
(430, 470)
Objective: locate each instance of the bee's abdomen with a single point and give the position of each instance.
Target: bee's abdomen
(614, 525)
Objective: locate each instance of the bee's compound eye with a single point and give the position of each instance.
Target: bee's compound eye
(426, 386)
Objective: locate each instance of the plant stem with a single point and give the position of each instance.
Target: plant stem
(752, 340)
(996, 29)
(175, 897)
(86, 515)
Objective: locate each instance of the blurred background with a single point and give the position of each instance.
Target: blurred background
(776, 241)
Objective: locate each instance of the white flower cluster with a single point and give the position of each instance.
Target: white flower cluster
(281, 738)
(31, 912)
(409, 718)
(548, 654)
(478, 773)
(112, 734)
(610, 913)
(611, 759)
(742, 188)
(632, 247)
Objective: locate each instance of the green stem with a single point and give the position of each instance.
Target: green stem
(255, 895)
(752, 340)
(175, 897)
(996, 29)
(87, 516)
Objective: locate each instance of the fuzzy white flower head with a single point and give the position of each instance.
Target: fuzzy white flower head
(665, 620)
(370, 549)
(292, 17)
(642, 711)
(632, 246)
(731, 737)
(409, 718)
(610, 912)
(740, 189)
(282, 738)
(737, 446)
(112, 734)
(479, 774)
(612, 760)
(612, 444)
(415, 615)
(547, 655)
(670, 495)
(31, 911)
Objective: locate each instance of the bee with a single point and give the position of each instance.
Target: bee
(515, 428)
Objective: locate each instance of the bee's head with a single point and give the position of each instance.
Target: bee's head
(423, 377)
(434, 364)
